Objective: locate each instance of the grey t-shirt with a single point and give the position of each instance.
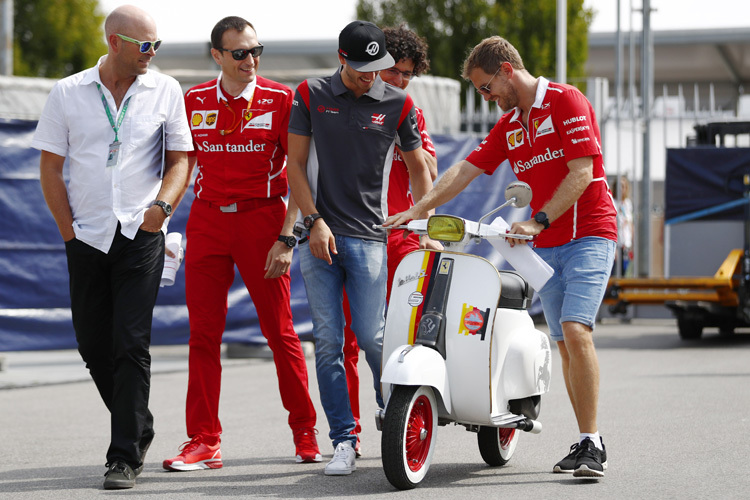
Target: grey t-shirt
(351, 149)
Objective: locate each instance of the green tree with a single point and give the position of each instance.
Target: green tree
(56, 38)
(453, 27)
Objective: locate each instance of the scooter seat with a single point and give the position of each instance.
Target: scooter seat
(514, 291)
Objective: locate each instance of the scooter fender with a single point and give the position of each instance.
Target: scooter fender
(416, 365)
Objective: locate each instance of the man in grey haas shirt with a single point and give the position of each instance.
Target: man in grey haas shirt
(342, 133)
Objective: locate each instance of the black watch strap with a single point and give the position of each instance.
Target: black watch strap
(289, 241)
(309, 220)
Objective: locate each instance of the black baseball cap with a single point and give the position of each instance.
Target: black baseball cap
(362, 44)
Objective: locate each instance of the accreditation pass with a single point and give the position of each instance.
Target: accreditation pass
(114, 154)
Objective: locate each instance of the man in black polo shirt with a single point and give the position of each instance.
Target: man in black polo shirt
(342, 133)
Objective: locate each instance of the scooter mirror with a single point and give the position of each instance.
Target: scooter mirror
(520, 191)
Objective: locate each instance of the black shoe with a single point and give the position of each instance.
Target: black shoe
(568, 464)
(119, 476)
(590, 461)
(144, 449)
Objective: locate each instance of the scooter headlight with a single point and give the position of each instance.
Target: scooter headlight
(445, 228)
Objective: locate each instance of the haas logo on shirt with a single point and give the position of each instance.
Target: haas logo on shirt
(378, 119)
(515, 138)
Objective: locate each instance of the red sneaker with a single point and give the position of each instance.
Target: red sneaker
(307, 445)
(195, 454)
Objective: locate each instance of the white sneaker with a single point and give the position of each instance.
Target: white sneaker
(343, 461)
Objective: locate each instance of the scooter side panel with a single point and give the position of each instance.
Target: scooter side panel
(526, 370)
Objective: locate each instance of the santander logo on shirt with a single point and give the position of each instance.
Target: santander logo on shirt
(549, 155)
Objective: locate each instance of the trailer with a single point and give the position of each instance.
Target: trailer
(697, 302)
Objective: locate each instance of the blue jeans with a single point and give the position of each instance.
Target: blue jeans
(360, 266)
(575, 292)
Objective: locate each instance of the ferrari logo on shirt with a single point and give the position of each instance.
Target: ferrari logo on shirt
(543, 126)
(514, 138)
(204, 119)
(258, 120)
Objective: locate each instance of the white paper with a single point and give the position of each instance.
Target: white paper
(522, 258)
(173, 242)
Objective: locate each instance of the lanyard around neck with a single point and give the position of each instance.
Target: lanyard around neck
(236, 123)
(121, 117)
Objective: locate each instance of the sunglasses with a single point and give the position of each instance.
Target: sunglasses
(241, 54)
(144, 46)
(485, 89)
(406, 75)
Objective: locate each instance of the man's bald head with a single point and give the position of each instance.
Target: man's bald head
(128, 19)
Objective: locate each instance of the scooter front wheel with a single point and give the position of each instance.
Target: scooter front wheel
(497, 444)
(409, 432)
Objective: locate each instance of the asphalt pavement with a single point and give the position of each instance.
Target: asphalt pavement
(675, 417)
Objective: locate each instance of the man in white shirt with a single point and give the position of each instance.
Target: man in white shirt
(123, 130)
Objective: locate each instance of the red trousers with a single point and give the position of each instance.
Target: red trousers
(398, 247)
(216, 241)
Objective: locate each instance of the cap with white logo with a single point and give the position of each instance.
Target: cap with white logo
(362, 44)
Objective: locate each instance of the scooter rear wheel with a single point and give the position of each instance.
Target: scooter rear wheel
(409, 432)
(497, 445)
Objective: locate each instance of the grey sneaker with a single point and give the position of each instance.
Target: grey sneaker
(568, 464)
(119, 476)
(343, 461)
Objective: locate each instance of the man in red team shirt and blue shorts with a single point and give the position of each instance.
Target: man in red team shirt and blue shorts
(239, 125)
(551, 141)
(410, 53)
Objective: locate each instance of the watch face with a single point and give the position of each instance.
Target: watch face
(289, 241)
(309, 220)
(164, 206)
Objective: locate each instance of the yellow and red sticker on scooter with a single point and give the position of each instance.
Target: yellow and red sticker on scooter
(473, 321)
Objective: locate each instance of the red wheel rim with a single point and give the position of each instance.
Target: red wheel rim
(418, 433)
(506, 437)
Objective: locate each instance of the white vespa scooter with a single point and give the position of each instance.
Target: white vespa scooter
(460, 347)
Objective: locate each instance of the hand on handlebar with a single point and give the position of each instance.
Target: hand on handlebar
(400, 218)
(528, 227)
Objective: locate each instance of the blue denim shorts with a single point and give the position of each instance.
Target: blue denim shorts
(575, 292)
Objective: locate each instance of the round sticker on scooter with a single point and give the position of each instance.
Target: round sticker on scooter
(473, 320)
(415, 299)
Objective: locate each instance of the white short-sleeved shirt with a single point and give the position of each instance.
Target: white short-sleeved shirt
(74, 124)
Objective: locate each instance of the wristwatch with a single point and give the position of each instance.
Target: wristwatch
(164, 206)
(542, 219)
(310, 220)
(289, 241)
